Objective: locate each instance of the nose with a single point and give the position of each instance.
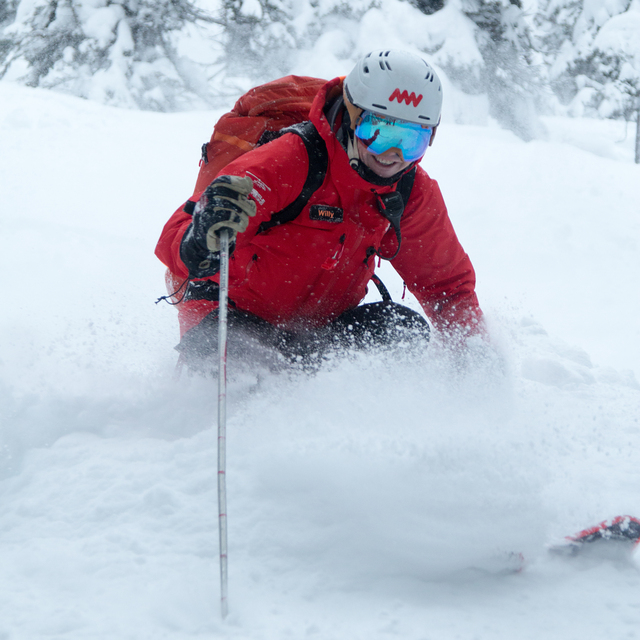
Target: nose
(393, 151)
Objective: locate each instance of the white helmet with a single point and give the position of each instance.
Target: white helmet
(398, 84)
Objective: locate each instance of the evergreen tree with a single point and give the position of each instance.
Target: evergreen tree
(594, 59)
(508, 75)
(7, 11)
(259, 42)
(121, 53)
(7, 15)
(503, 67)
(264, 38)
(428, 7)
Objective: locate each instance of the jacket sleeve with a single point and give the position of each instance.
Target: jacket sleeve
(168, 247)
(432, 262)
(265, 165)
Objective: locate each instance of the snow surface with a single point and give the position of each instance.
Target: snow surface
(382, 497)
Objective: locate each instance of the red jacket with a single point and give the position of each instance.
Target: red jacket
(307, 272)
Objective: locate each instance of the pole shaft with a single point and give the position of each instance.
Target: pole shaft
(637, 158)
(222, 416)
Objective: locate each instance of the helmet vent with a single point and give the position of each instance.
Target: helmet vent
(379, 106)
(381, 65)
(388, 67)
(366, 69)
(424, 117)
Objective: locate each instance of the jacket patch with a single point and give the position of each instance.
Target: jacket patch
(326, 213)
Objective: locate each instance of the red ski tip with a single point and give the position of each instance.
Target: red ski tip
(621, 528)
(615, 535)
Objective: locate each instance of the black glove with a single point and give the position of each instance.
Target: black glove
(223, 205)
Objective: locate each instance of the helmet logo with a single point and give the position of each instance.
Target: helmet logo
(406, 96)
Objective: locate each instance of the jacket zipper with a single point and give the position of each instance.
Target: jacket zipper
(331, 263)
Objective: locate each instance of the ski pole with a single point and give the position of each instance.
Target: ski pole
(222, 415)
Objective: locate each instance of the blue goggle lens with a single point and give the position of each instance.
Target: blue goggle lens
(380, 134)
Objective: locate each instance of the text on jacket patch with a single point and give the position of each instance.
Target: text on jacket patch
(326, 213)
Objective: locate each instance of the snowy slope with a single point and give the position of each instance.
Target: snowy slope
(381, 497)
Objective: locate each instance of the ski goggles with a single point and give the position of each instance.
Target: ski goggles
(380, 134)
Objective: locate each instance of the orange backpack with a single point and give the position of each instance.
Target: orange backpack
(257, 117)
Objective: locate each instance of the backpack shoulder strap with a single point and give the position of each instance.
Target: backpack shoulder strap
(318, 163)
(405, 185)
(392, 205)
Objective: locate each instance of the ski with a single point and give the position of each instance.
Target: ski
(621, 533)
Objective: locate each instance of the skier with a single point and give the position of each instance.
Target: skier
(296, 287)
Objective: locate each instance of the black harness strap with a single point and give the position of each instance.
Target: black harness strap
(405, 185)
(382, 289)
(318, 163)
(391, 205)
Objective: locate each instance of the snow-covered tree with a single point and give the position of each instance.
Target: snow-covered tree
(7, 11)
(595, 57)
(259, 41)
(7, 14)
(505, 72)
(593, 51)
(428, 7)
(124, 52)
(265, 39)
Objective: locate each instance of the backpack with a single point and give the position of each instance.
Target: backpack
(261, 115)
(258, 117)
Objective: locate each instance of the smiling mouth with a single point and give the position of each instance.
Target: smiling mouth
(385, 163)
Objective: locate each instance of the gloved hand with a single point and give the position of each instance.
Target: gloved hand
(223, 205)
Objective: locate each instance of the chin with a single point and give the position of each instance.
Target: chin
(386, 170)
